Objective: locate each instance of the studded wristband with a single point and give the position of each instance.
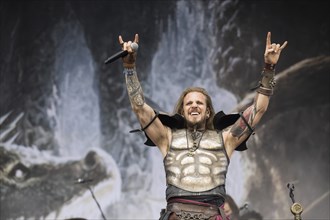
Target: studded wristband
(269, 66)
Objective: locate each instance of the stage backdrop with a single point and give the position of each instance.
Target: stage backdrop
(65, 147)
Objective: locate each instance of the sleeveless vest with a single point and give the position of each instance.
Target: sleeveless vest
(196, 169)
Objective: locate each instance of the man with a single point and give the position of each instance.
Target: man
(234, 212)
(196, 143)
(230, 208)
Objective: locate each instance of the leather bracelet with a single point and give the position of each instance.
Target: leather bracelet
(265, 91)
(267, 80)
(269, 66)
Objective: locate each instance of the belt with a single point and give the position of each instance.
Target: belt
(201, 211)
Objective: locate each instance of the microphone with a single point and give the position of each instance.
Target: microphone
(81, 181)
(122, 53)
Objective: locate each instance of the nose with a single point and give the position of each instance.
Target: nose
(194, 104)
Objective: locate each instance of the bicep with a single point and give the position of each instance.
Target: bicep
(156, 131)
(243, 127)
(232, 141)
(239, 131)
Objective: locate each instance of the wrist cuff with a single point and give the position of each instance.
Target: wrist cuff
(265, 91)
(268, 78)
(268, 66)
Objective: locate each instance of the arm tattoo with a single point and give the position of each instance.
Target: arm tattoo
(134, 89)
(240, 127)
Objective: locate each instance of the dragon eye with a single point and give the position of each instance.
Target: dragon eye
(19, 172)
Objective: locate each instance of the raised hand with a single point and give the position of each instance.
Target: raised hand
(273, 51)
(129, 60)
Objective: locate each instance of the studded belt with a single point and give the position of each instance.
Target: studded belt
(195, 212)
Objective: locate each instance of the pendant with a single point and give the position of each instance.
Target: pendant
(190, 154)
(192, 151)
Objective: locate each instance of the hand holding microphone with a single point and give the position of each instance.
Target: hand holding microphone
(128, 53)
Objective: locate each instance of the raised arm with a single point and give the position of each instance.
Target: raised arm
(156, 131)
(237, 133)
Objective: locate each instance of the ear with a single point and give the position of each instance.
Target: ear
(208, 112)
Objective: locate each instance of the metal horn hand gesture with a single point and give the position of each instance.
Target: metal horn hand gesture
(273, 51)
(131, 47)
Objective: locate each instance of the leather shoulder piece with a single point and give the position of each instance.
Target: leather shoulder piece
(142, 129)
(242, 146)
(222, 121)
(172, 121)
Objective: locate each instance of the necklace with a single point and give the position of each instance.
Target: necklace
(196, 137)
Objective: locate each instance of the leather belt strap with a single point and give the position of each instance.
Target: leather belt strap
(195, 211)
(145, 127)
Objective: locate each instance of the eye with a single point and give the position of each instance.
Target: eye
(189, 103)
(19, 172)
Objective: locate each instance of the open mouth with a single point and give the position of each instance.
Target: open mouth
(194, 113)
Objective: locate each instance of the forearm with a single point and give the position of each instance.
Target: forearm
(250, 117)
(134, 88)
(146, 114)
(254, 113)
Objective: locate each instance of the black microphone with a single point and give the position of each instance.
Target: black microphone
(81, 180)
(122, 53)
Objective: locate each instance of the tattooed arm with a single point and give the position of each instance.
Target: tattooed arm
(156, 131)
(237, 133)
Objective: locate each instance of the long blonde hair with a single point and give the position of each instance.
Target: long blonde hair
(179, 105)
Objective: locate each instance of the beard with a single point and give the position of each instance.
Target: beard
(196, 125)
